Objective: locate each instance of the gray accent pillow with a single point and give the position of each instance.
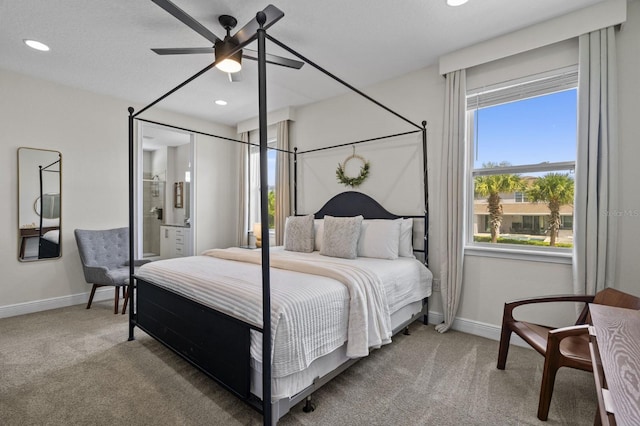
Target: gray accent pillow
(340, 236)
(298, 234)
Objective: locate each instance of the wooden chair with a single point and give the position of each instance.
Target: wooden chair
(561, 347)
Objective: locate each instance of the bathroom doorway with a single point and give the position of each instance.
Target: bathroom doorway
(165, 203)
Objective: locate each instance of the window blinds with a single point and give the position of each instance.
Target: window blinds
(543, 84)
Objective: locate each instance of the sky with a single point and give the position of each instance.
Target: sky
(530, 131)
(271, 166)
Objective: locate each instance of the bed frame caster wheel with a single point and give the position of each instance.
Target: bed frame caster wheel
(308, 405)
(406, 331)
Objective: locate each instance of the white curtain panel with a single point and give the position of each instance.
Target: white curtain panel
(243, 190)
(449, 216)
(597, 160)
(283, 198)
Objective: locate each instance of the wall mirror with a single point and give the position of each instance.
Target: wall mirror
(39, 204)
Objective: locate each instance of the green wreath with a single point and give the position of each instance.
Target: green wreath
(352, 181)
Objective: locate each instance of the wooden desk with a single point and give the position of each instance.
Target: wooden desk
(615, 353)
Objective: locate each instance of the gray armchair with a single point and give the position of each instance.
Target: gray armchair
(105, 261)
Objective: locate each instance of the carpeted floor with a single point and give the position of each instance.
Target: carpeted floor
(74, 366)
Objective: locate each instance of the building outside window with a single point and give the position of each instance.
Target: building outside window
(521, 139)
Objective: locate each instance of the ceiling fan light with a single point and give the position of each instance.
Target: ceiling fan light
(230, 64)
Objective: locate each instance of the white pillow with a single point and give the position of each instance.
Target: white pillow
(298, 233)
(406, 238)
(380, 238)
(318, 230)
(340, 236)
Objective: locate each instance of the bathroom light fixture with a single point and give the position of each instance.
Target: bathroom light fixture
(221, 102)
(456, 2)
(34, 44)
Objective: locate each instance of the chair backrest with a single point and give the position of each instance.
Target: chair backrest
(617, 298)
(108, 247)
(610, 297)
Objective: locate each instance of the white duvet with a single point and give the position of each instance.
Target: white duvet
(318, 303)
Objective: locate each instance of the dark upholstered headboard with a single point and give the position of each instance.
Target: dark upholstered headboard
(352, 203)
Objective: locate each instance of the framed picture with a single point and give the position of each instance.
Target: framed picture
(178, 188)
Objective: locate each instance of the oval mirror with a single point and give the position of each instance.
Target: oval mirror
(39, 204)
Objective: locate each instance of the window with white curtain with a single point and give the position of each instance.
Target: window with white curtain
(254, 183)
(521, 138)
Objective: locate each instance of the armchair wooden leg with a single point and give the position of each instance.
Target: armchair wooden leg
(126, 299)
(503, 351)
(93, 292)
(117, 300)
(546, 388)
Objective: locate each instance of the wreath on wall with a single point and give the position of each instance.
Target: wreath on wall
(352, 181)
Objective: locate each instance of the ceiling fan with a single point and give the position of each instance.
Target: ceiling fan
(221, 47)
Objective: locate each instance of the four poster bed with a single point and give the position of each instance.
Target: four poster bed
(49, 235)
(274, 324)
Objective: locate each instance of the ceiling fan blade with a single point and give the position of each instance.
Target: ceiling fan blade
(235, 76)
(186, 19)
(273, 59)
(245, 33)
(183, 50)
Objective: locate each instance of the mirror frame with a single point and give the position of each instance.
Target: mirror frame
(31, 224)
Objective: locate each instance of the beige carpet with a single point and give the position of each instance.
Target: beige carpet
(73, 366)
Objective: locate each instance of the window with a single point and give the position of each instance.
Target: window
(254, 183)
(522, 153)
(521, 197)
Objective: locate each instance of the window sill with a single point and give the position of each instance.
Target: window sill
(531, 255)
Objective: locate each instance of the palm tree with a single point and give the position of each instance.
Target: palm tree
(555, 189)
(491, 186)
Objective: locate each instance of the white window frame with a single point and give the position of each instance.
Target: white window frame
(524, 88)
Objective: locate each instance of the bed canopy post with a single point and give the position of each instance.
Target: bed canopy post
(295, 181)
(131, 228)
(426, 193)
(264, 218)
(41, 207)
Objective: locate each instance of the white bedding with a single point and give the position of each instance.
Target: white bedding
(310, 313)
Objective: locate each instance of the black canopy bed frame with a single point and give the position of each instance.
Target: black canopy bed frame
(47, 249)
(197, 332)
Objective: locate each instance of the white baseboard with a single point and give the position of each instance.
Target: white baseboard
(477, 328)
(54, 303)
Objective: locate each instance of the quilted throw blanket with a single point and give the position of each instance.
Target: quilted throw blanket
(369, 319)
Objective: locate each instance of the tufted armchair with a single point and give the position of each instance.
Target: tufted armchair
(105, 260)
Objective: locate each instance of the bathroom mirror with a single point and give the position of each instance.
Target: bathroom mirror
(39, 204)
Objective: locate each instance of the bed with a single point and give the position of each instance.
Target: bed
(49, 244)
(230, 345)
(327, 312)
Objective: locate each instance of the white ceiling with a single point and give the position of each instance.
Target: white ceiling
(103, 46)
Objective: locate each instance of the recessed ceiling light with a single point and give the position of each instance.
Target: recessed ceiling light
(36, 45)
(221, 102)
(456, 2)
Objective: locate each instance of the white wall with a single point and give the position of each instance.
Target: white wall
(90, 131)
